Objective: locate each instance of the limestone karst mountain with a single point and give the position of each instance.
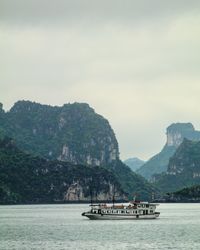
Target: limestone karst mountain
(72, 133)
(183, 169)
(176, 133)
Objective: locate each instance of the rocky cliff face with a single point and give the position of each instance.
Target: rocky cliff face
(73, 132)
(183, 169)
(176, 133)
(28, 179)
(75, 192)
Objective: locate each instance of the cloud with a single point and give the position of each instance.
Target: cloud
(93, 12)
(136, 62)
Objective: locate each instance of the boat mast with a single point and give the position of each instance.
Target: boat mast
(113, 197)
(113, 200)
(91, 192)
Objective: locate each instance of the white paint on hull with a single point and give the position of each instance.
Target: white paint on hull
(119, 217)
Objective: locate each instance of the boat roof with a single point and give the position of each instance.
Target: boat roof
(125, 204)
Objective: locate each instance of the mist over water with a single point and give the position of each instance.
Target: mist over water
(54, 227)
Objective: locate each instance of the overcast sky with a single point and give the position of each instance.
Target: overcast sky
(137, 63)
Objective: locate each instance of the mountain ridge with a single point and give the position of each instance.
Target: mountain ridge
(134, 163)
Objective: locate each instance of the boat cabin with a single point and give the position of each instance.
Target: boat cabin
(142, 208)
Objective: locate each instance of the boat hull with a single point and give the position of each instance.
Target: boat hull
(119, 217)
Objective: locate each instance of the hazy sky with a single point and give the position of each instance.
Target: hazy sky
(137, 63)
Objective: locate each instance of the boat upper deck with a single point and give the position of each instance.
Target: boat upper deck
(130, 205)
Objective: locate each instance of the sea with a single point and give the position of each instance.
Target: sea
(59, 227)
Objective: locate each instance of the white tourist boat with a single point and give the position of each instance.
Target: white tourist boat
(129, 211)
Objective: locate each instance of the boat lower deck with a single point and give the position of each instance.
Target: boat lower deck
(92, 216)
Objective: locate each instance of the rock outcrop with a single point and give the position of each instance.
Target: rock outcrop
(176, 133)
(75, 192)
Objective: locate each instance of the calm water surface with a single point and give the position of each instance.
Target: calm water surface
(59, 227)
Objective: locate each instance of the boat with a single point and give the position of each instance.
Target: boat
(133, 210)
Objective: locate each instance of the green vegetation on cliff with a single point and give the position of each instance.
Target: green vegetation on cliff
(190, 193)
(131, 182)
(183, 169)
(73, 132)
(28, 179)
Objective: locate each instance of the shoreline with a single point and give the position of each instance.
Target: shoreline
(97, 202)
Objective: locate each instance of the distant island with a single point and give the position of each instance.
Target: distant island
(134, 163)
